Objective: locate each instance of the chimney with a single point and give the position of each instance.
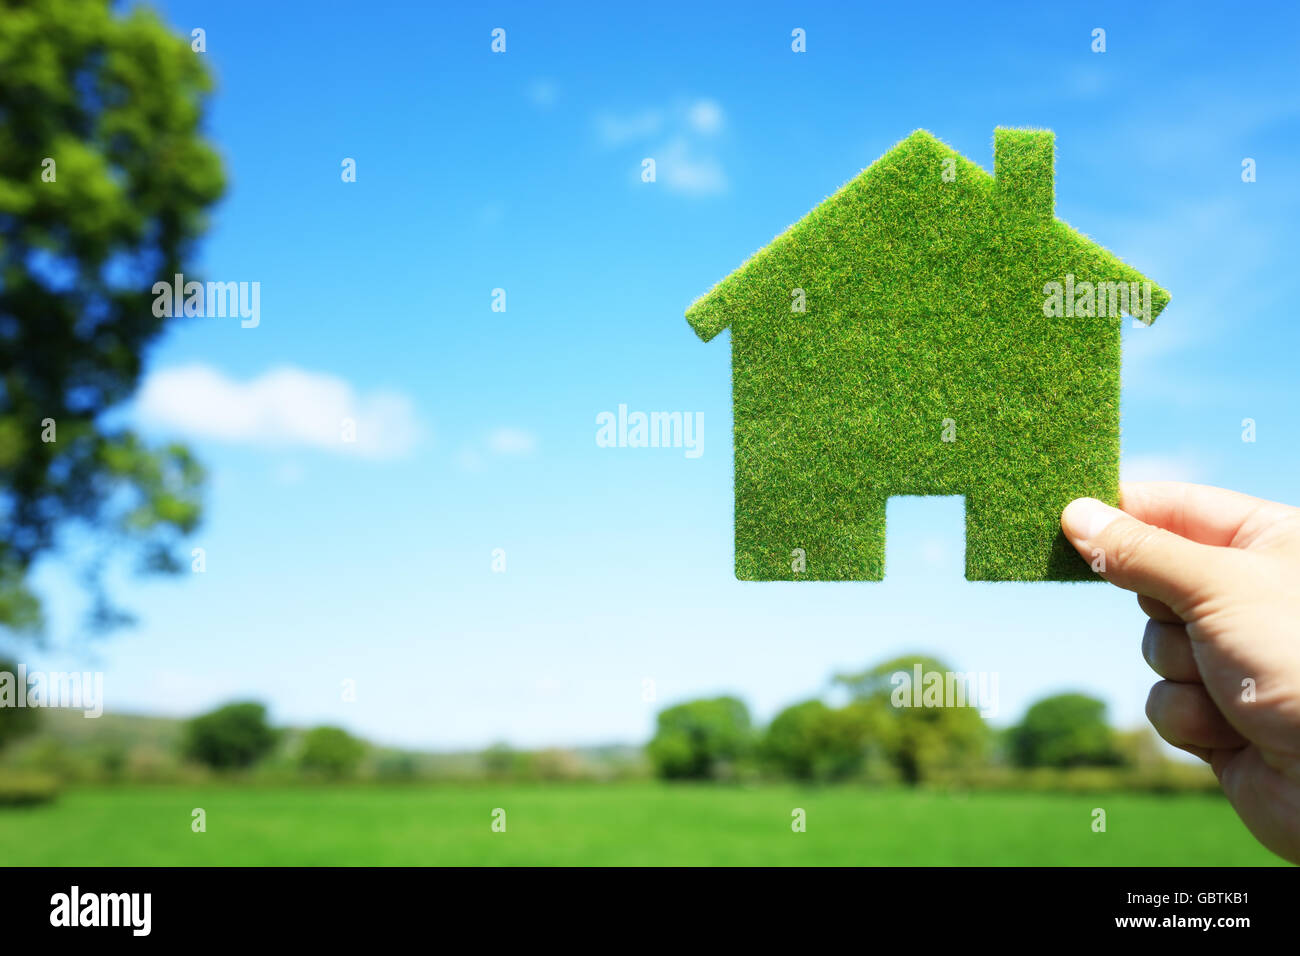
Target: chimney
(1023, 164)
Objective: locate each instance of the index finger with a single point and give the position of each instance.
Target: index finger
(1200, 513)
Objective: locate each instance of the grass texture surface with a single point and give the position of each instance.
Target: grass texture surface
(932, 356)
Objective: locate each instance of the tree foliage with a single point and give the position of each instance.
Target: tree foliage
(232, 737)
(1068, 730)
(105, 180)
(918, 740)
(15, 721)
(811, 741)
(701, 739)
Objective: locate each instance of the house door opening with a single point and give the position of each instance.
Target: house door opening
(925, 537)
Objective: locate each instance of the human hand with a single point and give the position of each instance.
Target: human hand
(1218, 573)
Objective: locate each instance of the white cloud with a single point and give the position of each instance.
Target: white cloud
(512, 441)
(686, 160)
(684, 169)
(705, 116)
(500, 442)
(284, 406)
(1160, 468)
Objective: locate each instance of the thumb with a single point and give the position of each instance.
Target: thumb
(1141, 557)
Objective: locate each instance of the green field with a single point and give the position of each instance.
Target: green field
(618, 824)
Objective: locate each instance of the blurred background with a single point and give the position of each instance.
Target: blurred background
(350, 569)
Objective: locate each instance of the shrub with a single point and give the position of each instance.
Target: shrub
(331, 752)
(27, 789)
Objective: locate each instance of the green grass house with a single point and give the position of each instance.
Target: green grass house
(927, 330)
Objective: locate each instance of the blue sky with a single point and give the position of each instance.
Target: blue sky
(475, 171)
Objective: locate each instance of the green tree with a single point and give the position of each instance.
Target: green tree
(1067, 730)
(919, 740)
(104, 184)
(15, 721)
(811, 741)
(331, 752)
(701, 739)
(231, 737)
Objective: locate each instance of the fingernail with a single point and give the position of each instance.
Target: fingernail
(1085, 518)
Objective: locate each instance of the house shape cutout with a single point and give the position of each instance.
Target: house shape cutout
(929, 329)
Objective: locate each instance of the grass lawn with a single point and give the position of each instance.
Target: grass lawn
(617, 824)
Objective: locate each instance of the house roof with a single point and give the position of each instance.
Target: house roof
(888, 200)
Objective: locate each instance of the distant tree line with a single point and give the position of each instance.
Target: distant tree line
(238, 735)
(870, 737)
(861, 733)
